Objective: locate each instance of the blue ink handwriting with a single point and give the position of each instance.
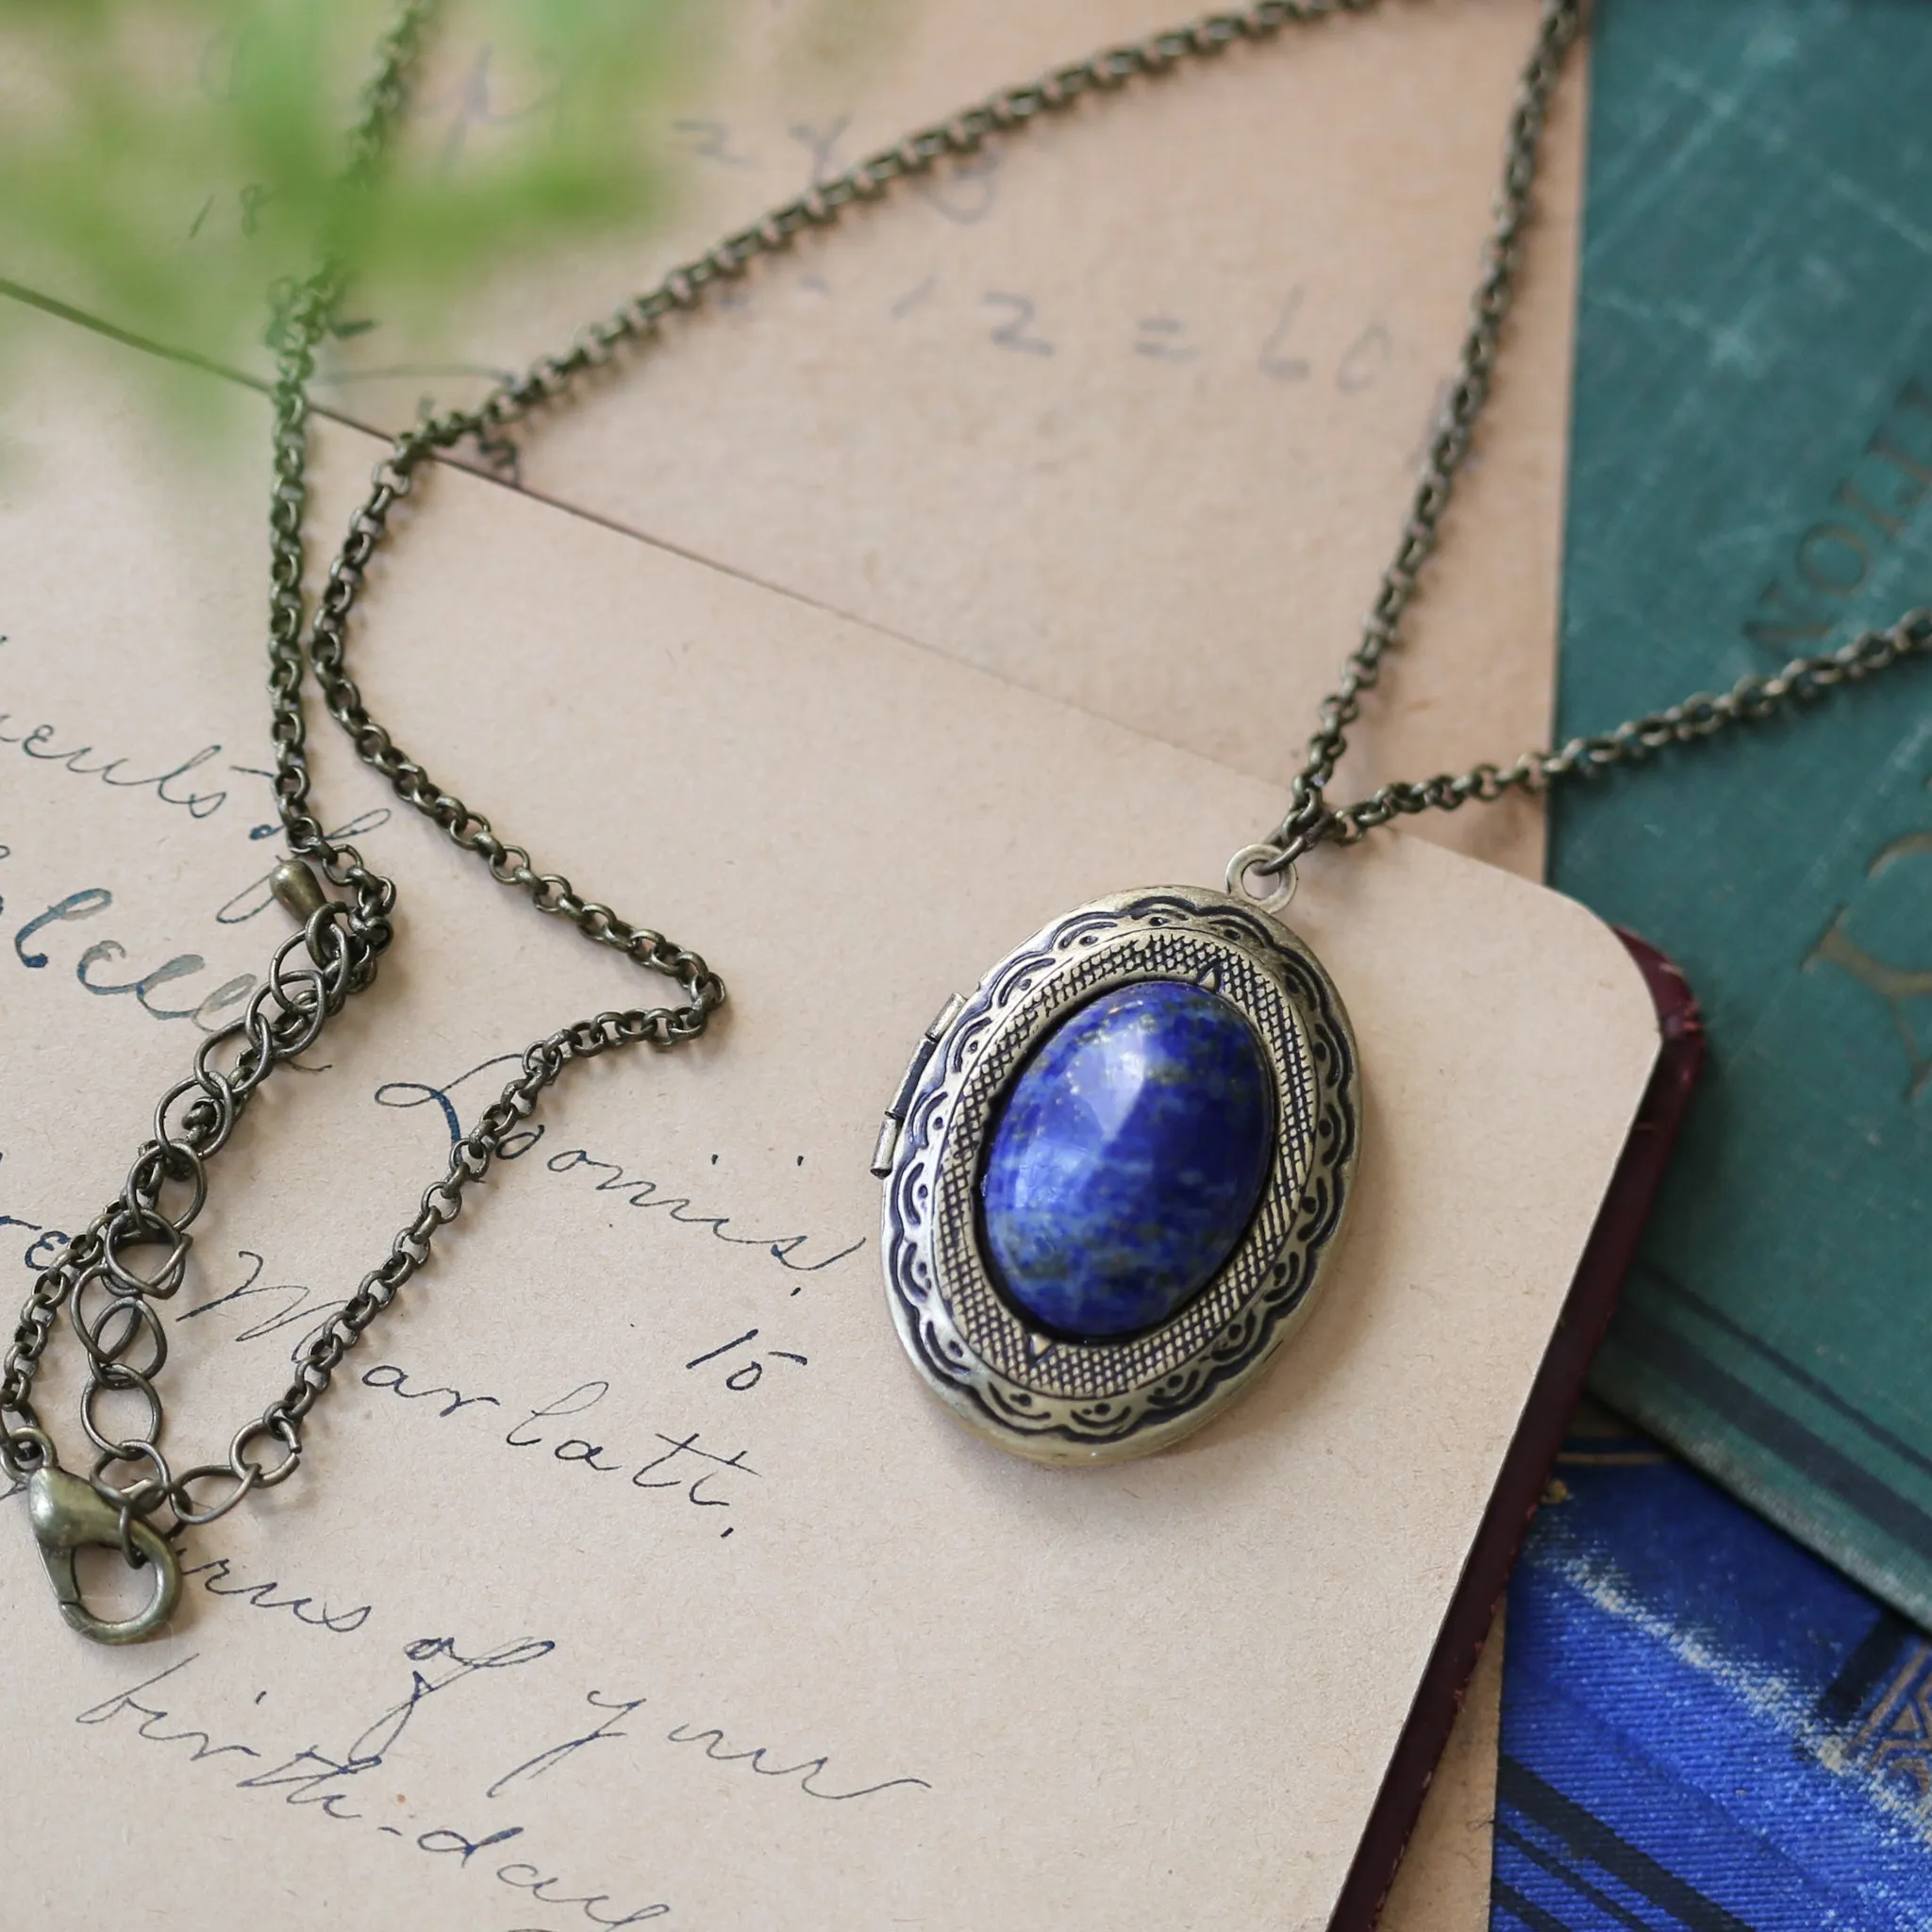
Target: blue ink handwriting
(633, 1190)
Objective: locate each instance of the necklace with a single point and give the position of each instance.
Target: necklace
(1113, 1175)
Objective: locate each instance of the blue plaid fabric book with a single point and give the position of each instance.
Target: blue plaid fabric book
(1705, 1728)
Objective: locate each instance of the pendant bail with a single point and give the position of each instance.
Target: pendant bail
(1264, 861)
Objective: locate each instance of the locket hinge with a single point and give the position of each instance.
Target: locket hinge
(887, 1151)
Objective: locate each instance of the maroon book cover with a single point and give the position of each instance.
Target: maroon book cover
(1579, 1330)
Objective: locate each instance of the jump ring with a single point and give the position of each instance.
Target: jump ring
(244, 1465)
(38, 1445)
(1250, 860)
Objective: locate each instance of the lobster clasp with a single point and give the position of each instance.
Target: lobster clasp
(67, 1516)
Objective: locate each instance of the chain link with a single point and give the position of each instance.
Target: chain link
(1309, 819)
(1749, 701)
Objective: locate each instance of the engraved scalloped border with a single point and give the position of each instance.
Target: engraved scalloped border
(1069, 1402)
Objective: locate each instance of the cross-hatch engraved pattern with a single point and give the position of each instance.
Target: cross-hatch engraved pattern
(1087, 1371)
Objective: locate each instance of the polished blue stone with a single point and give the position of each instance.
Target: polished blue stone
(1127, 1159)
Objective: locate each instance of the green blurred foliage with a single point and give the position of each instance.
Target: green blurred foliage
(164, 162)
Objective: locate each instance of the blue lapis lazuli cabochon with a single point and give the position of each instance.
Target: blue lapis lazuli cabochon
(1127, 1159)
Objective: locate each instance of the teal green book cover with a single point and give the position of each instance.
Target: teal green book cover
(1752, 478)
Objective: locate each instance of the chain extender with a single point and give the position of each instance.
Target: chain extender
(336, 951)
(310, 980)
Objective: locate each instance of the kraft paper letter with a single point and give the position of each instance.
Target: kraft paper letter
(1127, 407)
(630, 1575)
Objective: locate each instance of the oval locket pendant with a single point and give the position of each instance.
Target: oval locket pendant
(1114, 1175)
